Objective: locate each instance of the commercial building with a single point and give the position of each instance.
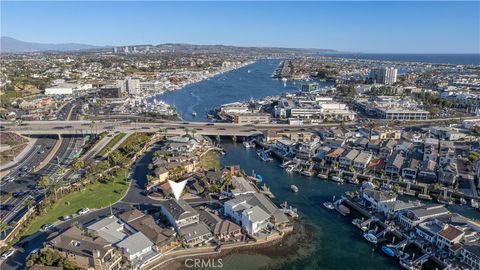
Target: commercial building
(111, 92)
(385, 75)
(254, 118)
(66, 89)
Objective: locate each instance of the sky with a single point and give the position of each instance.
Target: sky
(370, 27)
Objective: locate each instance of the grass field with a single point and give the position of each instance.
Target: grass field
(210, 160)
(97, 195)
(111, 143)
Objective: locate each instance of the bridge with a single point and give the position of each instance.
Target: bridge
(84, 127)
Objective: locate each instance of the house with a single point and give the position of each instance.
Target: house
(286, 147)
(241, 186)
(409, 172)
(254, 219)
(195, 234)
(179, 213)
(386, 148)
(412, 217)
(146, 224)
(235, 209)
(110, 228)
(222, 229)
(334, 155)
(362, 160)
(394, 164)
(429, 230)
(85, 251)
(323, 151)
(136, 247)
(448, 237)
(448, 173)
(347, 159)
(471, 254)
(375, 198)
(428, 172)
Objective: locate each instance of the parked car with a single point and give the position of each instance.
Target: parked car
(8, 178)
(47, 226)
(83, 211)
(66, 217)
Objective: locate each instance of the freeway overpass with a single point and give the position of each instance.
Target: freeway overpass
(82, 127)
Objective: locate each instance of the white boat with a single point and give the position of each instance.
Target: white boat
(337, 179)
(194, 114)
(329, 205)
(294, 188)
(290, 168)
(370, 236)
(247, 144)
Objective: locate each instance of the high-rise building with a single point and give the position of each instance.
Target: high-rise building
(385, 75)
(133, 86)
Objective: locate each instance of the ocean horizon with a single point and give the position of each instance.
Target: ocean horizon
(434, 58)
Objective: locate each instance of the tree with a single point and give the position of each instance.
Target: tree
(4, 226)
(44, 181)
(77, 164)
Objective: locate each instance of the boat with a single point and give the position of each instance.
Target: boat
(248, 144)
(286, 163)
(194, 114)
(370, 236)
(290, 168)
(263, 155)
(294, 188)
(337, 179)
(322, 176)
(329, 205)
(388, 250)
(307, 173)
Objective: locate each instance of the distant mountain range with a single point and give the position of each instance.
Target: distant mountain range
(11, 45)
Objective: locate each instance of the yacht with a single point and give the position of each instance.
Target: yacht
(294, 188)
(329, 205)
(248, 144)
(370, 236)
(194, 114)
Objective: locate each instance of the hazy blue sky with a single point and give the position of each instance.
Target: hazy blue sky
(408, 27)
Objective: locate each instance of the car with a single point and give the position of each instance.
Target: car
(24, 169)
(83, 211)
(220, 128)
(8, 179)
(66, 217)
(17, 194)
(8, 253)
(22, 174)
(68, 126)
(7, 207)
(47, 226)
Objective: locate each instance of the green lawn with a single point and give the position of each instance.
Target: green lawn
(98, 195)
(210, 160)
(111, 143)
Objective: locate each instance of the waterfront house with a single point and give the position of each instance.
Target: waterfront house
(373, 146)
(179, 213)
(428, 172)
(448, 173)
(334, 155)
(409, 172)
(375, 198)
(347, 159)
(394, 164)
(222, 229)
(448, 237)
(471, 254)
(86, 251)
(323, 151)
(307, 150)
(138, 249)
(286, 147)
(241, 186)
(412, 217)
(195, 234)
(362, 160)
(254, 219)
